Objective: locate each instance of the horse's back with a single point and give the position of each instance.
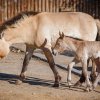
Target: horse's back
(75, 24)
(65, 16)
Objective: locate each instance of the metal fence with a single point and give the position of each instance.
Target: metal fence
(10, 8)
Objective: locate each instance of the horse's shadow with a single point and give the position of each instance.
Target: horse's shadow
(30, 80)
(37, 81)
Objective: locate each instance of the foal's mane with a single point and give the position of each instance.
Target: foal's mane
(75, 38)
(15, 20)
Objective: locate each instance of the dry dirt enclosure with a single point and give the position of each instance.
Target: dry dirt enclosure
(39, 81)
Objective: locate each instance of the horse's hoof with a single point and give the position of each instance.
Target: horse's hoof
(91, 89)
(69, 84)
(22, 76)
(78, 83)
(56, 85)
(18, 82)
(88, 89)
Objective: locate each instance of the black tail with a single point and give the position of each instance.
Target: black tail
(44, 43)
(42, 46)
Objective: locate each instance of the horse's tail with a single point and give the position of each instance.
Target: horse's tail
(44, 43)
(42, 46)
(98, 27)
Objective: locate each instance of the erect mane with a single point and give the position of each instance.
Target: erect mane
(15, 20)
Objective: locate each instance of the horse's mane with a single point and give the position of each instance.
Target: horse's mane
(15, 20)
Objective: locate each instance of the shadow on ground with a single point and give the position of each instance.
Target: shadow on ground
(37, 81)
(30, 80)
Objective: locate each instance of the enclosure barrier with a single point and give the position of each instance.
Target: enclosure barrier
(10, 8)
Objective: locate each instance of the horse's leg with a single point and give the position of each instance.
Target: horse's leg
(85, 73)
(82, 78)
(97, 78)
(28, 55)
(70, 66)
(51, 62)
(93, 72)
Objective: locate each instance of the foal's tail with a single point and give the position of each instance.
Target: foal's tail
(98, 27)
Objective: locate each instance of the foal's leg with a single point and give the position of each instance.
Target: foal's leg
(93, 72)
(96, 80)
(97, 62)
(70, 66)
(82, 78)
(85, 73)
(51, 62)
(28, 55)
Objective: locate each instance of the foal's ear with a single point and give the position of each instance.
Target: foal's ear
(61, 35)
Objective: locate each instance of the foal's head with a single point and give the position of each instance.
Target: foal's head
(60, 45)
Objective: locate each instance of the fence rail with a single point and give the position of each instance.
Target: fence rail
(10, 8)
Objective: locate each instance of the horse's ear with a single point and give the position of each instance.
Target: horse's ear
(62, 35)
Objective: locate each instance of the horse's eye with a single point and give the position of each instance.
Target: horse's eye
(58, 42)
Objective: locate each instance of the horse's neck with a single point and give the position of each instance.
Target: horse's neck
(12, 38)
(72, 43)
(21, 33)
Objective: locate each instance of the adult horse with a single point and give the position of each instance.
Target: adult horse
(32, 29)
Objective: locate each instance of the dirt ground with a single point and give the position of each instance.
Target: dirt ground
(39, 81)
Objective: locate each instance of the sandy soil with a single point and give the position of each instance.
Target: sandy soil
(39, 81)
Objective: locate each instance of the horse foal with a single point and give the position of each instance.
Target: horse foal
(84, 50)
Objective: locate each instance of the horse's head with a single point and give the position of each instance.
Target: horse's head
(60, 45)
(4, 48)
